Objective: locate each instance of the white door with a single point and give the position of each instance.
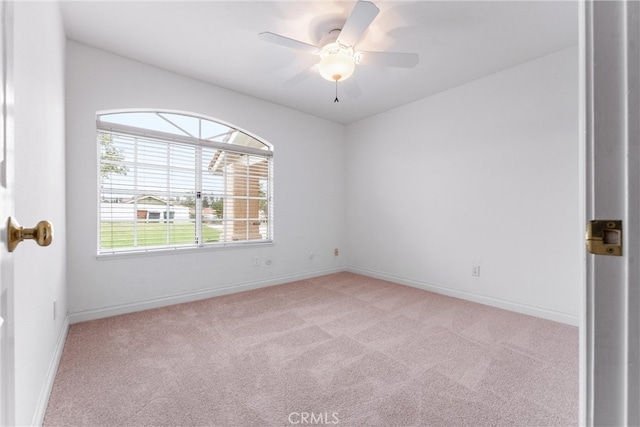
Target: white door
(6, 209)
(612, 117)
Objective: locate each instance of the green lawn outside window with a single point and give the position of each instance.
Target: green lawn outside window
(121, 234)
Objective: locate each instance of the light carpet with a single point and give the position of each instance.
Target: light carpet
(342, 349)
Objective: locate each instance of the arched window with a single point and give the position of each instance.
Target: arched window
(173, 180)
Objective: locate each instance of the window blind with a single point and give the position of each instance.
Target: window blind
(163, 191)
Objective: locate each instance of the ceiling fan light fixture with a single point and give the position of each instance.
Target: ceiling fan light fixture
(337, 62)
(336, 67)
(357, 57)
(336, 49)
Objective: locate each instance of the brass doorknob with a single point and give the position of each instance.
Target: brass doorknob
(42, 233)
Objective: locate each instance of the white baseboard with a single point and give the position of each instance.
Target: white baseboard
(45, 392)
(543, 313)
(86, 315)
(100, 313)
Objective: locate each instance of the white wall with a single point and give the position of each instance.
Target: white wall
(40, 273)
(308, 179)
(484, 174)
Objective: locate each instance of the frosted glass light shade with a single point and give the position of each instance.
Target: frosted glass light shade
(336, 67)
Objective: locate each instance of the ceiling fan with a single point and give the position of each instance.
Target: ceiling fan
(338, 55)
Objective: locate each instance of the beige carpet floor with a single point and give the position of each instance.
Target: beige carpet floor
(342, 349)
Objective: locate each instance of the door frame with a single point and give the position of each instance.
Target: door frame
(610, 107)
(7, 339)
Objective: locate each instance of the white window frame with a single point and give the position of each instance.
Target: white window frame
(117, 129)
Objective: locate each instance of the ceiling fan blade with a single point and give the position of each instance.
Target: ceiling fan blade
(301, 76)
(389, 59)
(361, 17)
(287, 42)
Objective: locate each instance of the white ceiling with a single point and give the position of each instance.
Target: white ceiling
(217, 42)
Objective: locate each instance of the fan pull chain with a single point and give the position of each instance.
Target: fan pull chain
(336, 100)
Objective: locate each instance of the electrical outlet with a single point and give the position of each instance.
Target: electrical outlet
(256, 261)
(475, 271)
(336, 252)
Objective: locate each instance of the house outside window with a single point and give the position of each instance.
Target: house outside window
(169, 181)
